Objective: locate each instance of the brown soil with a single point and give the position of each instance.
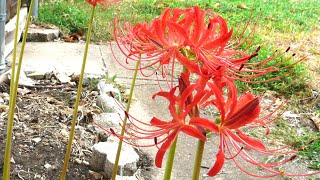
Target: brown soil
(46, 113)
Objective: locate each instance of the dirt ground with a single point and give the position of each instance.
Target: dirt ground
(41, 130)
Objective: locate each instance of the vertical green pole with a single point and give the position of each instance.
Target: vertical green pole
(115, 167)
(13, 89)
(198, 160)
(75, 111)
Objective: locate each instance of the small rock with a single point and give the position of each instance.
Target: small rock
(78, 161)
(47, 166)
(24, 80)
(12, 160)
(64, 134)
(102, 137)
(37, 75)
(62, 77)
(36, 140)
(290, 114)
(24, 91)
(86, 163)
(94, 175)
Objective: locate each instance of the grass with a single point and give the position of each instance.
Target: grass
(283, 133)
(68, 18)
(280, 23)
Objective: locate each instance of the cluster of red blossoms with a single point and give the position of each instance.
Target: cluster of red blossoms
(201, 42)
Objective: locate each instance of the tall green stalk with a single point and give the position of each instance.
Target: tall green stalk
(14, 87)
(75, 111)
(170, 159)
(115, 167)
(198, 160)
(172, 150)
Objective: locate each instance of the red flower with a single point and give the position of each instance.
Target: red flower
(106, 3)
(156, 45)
(180, 106)
(199, 40)
(235, 114)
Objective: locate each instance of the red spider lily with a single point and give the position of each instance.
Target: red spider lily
(165, 132)
(155, 45)
(235, 114)
(106, 3)
(199, 40)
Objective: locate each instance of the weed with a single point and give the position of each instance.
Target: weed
(284, 133)
(312, 151)
(67, 17)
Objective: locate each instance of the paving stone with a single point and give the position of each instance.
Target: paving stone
(106, 88)
(37, 75)
(42, 34)
(103, 157)
(127, 163)
(108, 120)
(109, 104)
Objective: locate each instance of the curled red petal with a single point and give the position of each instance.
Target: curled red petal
(219, 161)
(204, 123)
(194, 132)
(164, 147)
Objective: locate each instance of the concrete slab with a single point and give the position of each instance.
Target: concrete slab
(38, 34)
(60, 56)
(10, 30)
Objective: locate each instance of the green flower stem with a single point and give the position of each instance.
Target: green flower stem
(75, 111)
(197, 162)
(172, 150)
(169, 165)
(14, 87)
(115, 167)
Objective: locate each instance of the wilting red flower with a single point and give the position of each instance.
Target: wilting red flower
(199, 40)
(235, 114)
(106, 3)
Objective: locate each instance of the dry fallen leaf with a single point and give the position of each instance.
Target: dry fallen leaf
(217, 5)
(316, 121)
(242, 6)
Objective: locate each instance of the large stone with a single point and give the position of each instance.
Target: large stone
(106, 88)
(109, 104)
(104, 154)
(39, 34)
(107, 120)
(127, 163)
(99, 156)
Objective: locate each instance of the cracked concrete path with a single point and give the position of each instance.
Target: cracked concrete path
(67, 57)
